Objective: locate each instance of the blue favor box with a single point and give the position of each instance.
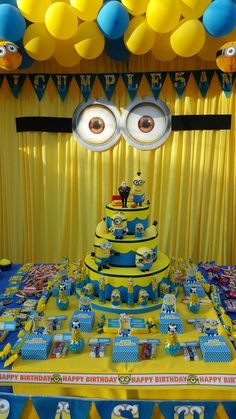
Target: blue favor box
(86, 319)
(125, 349)
(169, 318)
(36, 347)
(215, 349)
(200, 290)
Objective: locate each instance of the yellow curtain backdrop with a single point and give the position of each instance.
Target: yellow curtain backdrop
(53, 191)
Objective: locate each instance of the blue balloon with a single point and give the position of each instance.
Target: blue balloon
(219, 18)
(116, 49)
(27, 61)
(113, 19)
(12, 23)
(12, 2)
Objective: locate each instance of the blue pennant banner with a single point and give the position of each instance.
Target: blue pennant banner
(188, 409)
(230, 408)
(130, 409)
(85, 83)
(203, 79)
(39, 83)
(11, 405)
(62, 83)
(226, 81)
(16, 82)
(108, 82)
(61, 408)
(156, 81)
(180, 81)
(132, 82)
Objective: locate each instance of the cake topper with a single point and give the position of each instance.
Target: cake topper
(119, 225)
(138, 190)
(124, 191)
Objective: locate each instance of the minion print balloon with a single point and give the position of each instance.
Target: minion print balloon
(10, 56)
(226, 57)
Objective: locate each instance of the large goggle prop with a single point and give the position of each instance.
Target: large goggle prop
(144, 124)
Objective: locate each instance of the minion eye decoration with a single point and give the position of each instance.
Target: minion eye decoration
(146, 124)
(10, 56)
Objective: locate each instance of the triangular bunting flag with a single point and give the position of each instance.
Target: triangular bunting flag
(85, 83)
(196, 410)
(12, 405)
(62, 83)
(203, 79)
(156, 81)
(132, 82)
(129, 409)
(108, 82)
(16, 82)
(226, 81)
(180, 81)
(61, 408)
(39, 83)
(230, 408)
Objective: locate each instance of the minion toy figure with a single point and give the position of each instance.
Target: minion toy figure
(193, 302)
(119, 225)
(102, 253)
(115, 297)
(88, 290)
(143, 297)
(211, 327)
(125, 326)
(144, 258)
(138, 190)
(76, 343)
(172, 346)
(151, 325)
(139, 230)
(62, 299)
(169, 303)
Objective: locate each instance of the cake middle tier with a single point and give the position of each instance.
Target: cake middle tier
(124, 251)
(119, 277)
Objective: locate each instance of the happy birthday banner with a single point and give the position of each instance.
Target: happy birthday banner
(12, 407)
(131, 81)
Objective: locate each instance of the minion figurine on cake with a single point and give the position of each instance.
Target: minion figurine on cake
(138, 190)
(115, 297)
(102, 253)
(119, 225)
(144, 258)
(139, 230)
(143, 297)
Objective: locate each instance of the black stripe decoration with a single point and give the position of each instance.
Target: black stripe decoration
(179, 123)
(145, 274)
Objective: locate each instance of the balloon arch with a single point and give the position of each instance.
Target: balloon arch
(71, 30)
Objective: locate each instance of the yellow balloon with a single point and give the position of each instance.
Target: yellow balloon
(61, 20)
(163, 15)
(196, 11)
(65, 53)
(87, 9)
(135, 7)
(139, 37)
(161, 49)
(33, 10)
(90, 42)
(38, 43)
(189, 38)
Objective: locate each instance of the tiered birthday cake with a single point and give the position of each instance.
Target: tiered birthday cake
(125, 270)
